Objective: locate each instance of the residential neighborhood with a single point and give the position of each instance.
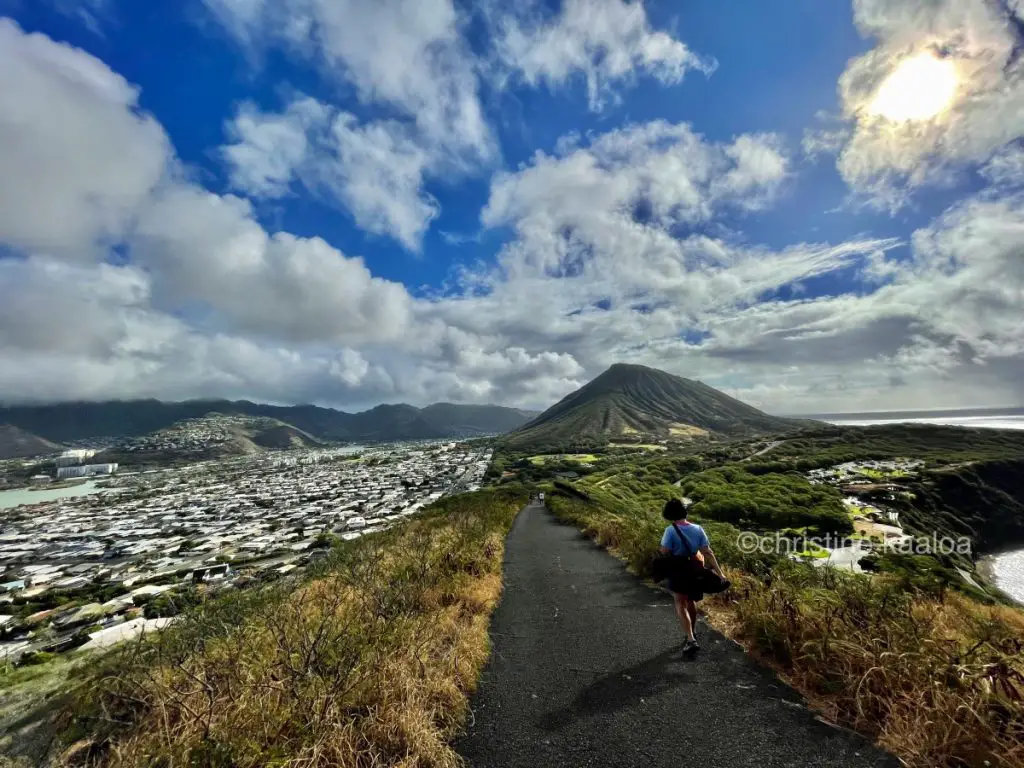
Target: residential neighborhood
(130, 552)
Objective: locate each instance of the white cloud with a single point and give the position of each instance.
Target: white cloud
(267, 149)
(1006, 167)
(375, 170)
(614, 253)
(93, 14)
(412, 59)
(627, 192)
(885, 159)
(76, 157)
(409, 55)
(204, 247)
(606, 41)
(202, 300)
(378, 173)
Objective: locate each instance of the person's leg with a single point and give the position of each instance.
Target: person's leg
(691, 608)
(684, 614)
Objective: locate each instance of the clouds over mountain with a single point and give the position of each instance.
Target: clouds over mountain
(126, 272)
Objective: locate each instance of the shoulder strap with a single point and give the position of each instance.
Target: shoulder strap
(686, 541)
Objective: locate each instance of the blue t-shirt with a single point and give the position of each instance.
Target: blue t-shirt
(694, 535)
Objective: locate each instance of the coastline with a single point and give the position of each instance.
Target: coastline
(985, 566)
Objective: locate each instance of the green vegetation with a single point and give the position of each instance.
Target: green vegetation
(937, 445)
(933, 676)
(579, 458)
(766, 502)
(909, 653)
(366, 662)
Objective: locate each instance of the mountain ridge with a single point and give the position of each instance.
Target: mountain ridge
(635, 400)
(64, 422)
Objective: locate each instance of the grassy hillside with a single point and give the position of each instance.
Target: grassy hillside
(366, 662)
(632, 400)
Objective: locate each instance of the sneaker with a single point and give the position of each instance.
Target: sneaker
(691, 647)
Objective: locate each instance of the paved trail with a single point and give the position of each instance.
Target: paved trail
(586, 670)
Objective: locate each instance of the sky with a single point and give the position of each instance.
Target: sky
(813, 206)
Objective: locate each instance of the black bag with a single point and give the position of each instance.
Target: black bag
(688, 567)
(675, 566)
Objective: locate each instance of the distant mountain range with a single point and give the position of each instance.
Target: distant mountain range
(65, 422)
(634, 400)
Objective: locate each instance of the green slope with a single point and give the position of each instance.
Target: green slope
(636, 400)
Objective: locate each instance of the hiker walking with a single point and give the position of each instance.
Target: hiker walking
(687, 549)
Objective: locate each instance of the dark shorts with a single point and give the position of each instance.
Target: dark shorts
(686, 586)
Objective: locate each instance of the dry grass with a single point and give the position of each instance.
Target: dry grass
(939, 681)
(369, 664)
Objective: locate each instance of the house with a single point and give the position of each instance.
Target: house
(210, 572)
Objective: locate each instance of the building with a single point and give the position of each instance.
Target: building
(74, 457)
(86, 470)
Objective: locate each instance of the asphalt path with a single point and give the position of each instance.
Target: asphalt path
(586, 669)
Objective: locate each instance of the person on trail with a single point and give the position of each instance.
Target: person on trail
(687, 540)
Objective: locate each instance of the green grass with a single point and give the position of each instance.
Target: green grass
(580, 458)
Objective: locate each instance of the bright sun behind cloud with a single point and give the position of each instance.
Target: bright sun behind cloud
(919, 88)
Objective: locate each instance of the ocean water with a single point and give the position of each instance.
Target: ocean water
(982, 422)
(18, 496)
(1009, 572)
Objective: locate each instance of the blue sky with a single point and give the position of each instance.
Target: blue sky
(411, 201)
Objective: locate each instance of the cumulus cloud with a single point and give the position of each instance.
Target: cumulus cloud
(627, 192)
(76, 158)
(413, 59)
(122, 278)
(144, 284)
(1006, 167)
(375, 170)
(407, 54)
(948, 318)
(267, 149)
(886, 159)
(604, 41)
(204, 247)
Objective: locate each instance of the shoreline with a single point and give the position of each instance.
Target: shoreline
(985, 566)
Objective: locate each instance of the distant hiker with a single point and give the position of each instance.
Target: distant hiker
(689, 548)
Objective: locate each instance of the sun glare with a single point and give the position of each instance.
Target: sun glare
(919, 88)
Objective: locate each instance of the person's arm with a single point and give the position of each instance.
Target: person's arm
(712, 561)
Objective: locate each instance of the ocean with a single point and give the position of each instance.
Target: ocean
(978, 418)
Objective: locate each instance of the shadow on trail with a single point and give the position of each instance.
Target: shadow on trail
(622, 688)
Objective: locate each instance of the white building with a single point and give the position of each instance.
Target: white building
(86, 470)
(74, 457)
